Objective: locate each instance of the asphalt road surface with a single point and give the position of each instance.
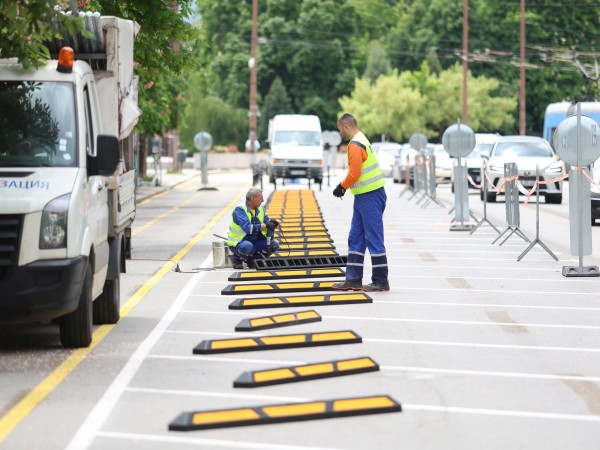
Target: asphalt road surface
(480, 350)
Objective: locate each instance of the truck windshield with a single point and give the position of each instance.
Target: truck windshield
(37, 124)
(301, 138)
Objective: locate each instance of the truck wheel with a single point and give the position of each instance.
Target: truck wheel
(106, 308)
(76, 327)
(127, 246)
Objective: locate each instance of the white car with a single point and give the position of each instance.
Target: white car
(484, 142)
(386, 152)
(527, 152)
(399, 169)
(443, 164)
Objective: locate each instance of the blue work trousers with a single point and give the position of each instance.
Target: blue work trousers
(366, 231)
(248, 251)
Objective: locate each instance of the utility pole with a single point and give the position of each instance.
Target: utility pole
(522, 81)
(252, 63)
(465, 58)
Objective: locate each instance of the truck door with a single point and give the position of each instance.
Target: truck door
(97, 192)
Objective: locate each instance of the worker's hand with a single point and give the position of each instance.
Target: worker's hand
(274, 222)
(271, 225)
(339, 191)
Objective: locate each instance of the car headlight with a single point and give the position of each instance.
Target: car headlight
(554, 169)
(53, 230)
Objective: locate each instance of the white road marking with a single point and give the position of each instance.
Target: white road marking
(479, 345)
(500, 412)
(429, 370)
(200, 442)
(445, 322)
(201, 358)
(187, 393)
(94, 421)
(489, 305)
(417, 342)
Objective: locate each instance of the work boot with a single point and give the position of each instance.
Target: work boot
(238, 264)
(347, 286)
(376, 287)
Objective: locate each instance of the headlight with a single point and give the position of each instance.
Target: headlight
(496, 168)
(53, 230)
(554, 169)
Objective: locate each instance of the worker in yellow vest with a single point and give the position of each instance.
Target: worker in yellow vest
(249, 231)
(366, 182)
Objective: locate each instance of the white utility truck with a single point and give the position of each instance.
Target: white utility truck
(296, 147)
(67, 181)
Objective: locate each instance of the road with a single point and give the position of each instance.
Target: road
(481, 351)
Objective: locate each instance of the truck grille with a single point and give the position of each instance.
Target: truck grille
(10, 232)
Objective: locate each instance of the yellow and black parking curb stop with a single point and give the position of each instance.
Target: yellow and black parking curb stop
(291, 412)
(287, 274)
(262, 288)
(306, 372)
(292, 301)
(277, 342)
(281, 320)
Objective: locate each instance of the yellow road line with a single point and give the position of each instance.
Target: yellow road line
(22, 409)
(163, 215)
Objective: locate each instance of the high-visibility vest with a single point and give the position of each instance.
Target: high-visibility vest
(236, 233)
(371, 176)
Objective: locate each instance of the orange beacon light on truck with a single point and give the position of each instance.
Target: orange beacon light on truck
(65, 60)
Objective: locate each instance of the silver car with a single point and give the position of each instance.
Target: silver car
(527, 152)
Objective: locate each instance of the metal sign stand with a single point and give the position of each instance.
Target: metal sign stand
(203, 142)
(537, 239)
(484, 219)
(432, 182)
(511, 202)
(586, 153)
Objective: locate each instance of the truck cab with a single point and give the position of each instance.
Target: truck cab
(67, 197)
(296, 147)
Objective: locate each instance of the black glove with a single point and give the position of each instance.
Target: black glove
(271, 225)
(339, 191)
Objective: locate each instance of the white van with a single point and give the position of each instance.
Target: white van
(66, 211)
(296, 147)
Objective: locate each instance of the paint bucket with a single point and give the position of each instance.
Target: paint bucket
(220, 255)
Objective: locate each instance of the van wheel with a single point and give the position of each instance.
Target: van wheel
(491, 197)
(106, 308)
(76, 327)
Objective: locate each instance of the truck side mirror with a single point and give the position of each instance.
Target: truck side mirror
(107, 156)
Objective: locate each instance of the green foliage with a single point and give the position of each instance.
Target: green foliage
(25, 26)
(276, 102)
(399, 105)
(225, 124)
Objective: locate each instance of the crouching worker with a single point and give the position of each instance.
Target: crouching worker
(249, 229)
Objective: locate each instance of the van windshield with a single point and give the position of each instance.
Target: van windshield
(297, 138)
(37, 124)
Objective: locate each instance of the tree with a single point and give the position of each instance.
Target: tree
(227, 125)
(401, 104)
(276, 102)
(26, 26)
(378, 63)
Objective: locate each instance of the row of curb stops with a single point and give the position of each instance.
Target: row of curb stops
(306, 257)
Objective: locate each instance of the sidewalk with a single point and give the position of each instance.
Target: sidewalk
(169, 181)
